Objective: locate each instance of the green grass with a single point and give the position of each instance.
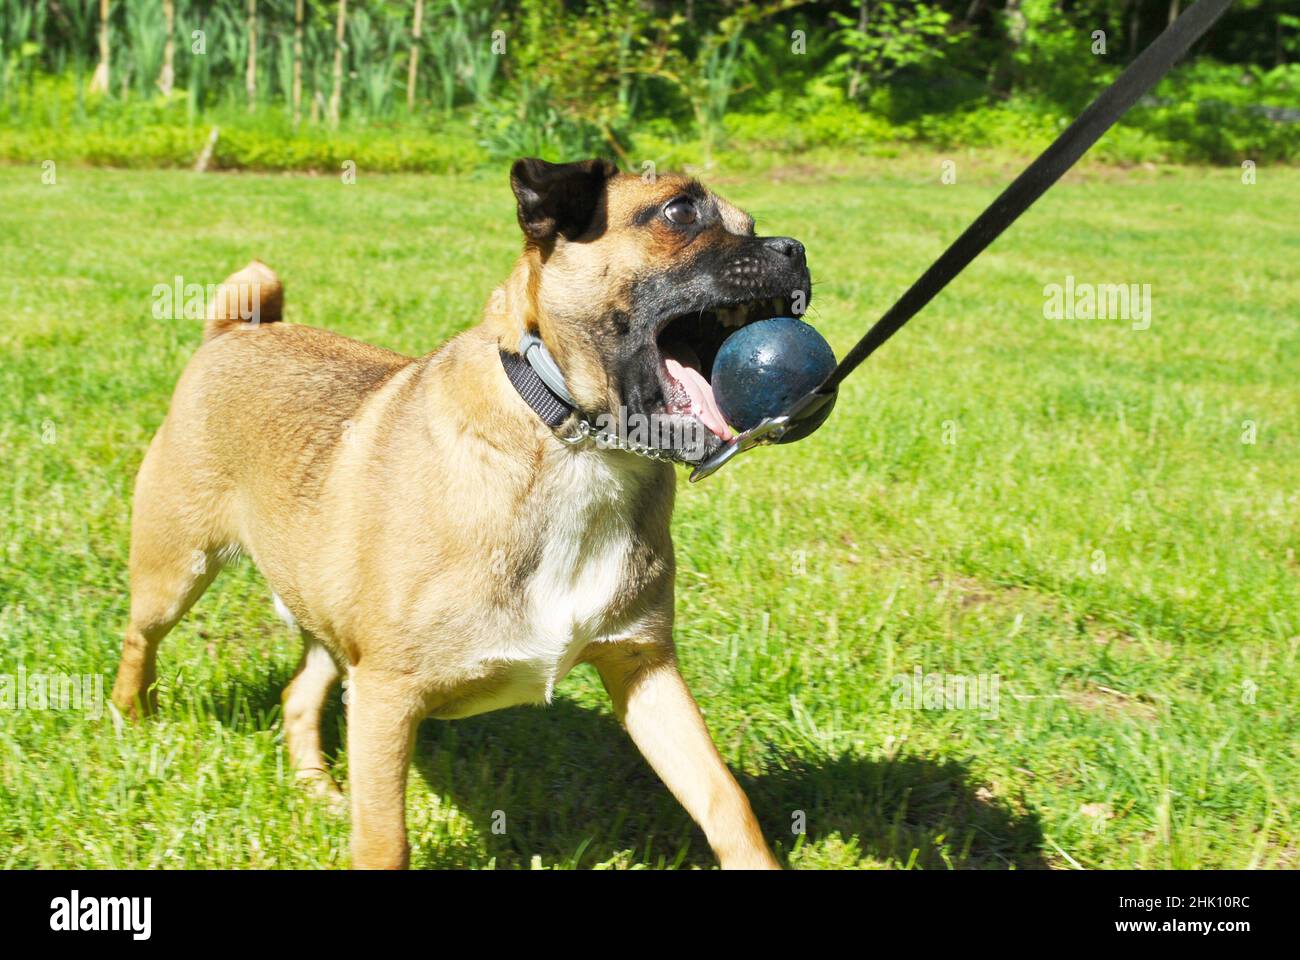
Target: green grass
(810, 576)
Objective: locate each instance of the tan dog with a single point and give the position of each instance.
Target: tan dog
(426, 530)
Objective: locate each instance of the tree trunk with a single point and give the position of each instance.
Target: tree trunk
(1173, 10)
(415, 55)
(856, 79)
(99, 82)
(167, 78)
(297, 61)
(1005, 71)
(336, 95)
(250, 74)
(1017, 25)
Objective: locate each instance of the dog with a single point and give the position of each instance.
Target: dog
(438, 534)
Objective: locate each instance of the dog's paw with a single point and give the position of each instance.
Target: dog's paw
(323, 787)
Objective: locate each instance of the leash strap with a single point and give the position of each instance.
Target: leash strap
(1113, 102)
(1152, 64)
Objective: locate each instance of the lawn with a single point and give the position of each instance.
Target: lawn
(1103, 520)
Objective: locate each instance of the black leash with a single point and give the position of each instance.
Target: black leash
(1152, 64)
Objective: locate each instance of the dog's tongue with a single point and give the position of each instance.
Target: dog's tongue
(683, 366)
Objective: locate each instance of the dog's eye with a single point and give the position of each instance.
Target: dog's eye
(680, 211)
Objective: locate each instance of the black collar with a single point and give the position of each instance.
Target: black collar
(553, 409)
(544, 401)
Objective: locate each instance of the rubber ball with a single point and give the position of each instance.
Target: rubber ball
(764, 367)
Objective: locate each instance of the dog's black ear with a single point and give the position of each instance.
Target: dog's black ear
(558, 198)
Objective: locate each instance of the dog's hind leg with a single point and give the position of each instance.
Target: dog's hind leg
(166, 580)
(172, 562)
(304, 700)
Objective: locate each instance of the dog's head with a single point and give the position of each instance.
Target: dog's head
(633, 283)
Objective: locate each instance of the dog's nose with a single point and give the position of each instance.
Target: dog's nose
(786, 247)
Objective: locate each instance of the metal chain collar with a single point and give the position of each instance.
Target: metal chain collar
(585, 431)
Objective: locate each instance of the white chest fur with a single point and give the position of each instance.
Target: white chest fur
(586, 513)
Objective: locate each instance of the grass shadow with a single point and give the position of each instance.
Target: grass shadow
(566, 783)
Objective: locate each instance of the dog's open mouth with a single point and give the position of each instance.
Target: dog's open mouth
(688, 345)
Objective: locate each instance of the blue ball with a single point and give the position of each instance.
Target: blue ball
(764, 367)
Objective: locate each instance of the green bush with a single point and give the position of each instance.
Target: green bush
(822, 117)
(1128, 146)
(1020, 126)
(1202, 112)
(534, 126)
(371, 150)
(54, 123)
(1225, 114)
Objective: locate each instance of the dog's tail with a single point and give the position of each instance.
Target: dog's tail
(247, 298)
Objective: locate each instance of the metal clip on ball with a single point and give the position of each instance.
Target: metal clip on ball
(768, 431)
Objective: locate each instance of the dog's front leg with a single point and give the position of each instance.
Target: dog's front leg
(653, 703)
(382, 717)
